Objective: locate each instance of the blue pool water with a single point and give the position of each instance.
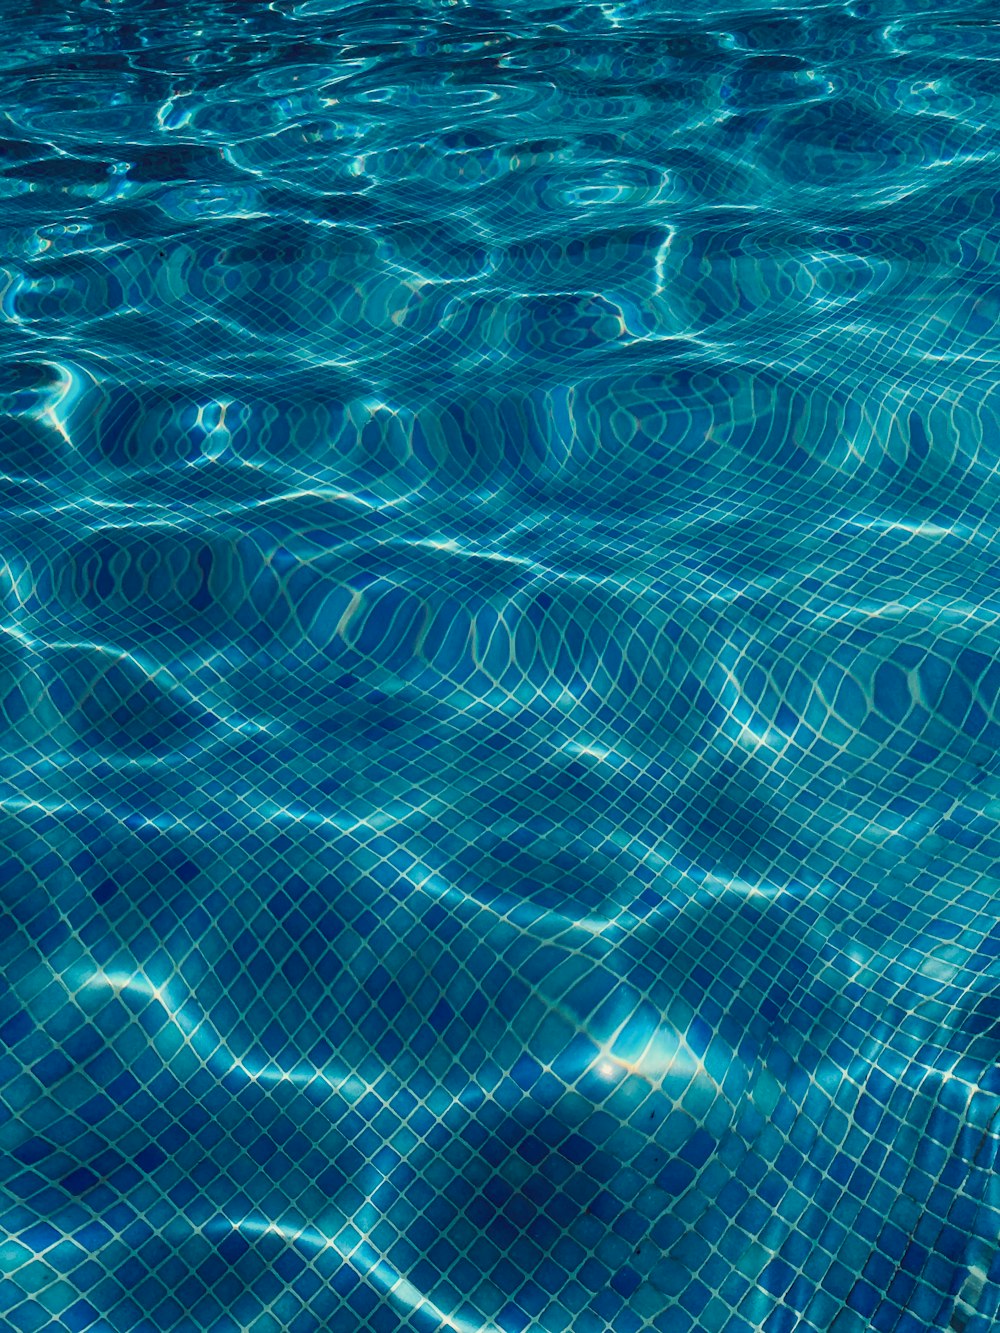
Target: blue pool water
(499, 667)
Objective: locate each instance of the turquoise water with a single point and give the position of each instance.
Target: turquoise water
(499, 667)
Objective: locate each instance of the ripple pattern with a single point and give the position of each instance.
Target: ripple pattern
(500, 667)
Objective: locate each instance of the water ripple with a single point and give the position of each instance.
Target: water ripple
(499, 671)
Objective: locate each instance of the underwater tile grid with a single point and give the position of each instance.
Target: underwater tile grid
(499, 667)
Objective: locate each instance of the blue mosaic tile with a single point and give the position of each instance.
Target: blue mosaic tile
(499, 667)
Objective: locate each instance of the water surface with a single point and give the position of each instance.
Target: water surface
(499, 678)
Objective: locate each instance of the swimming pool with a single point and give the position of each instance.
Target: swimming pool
(499, 676)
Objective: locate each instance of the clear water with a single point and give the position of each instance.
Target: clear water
(499, 673)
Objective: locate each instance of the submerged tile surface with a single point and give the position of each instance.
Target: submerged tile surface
(499, 680)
